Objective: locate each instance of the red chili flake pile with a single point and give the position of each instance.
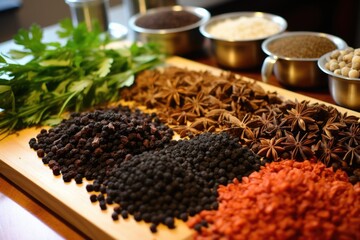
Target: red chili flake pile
(284, 200)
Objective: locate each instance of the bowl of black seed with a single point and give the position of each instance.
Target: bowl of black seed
(174, 29)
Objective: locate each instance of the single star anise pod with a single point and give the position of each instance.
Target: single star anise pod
(239, 126)
(148, 97)
(268, 123)
(327, 151)
(300, 148)
(252, 139)
(271, 148)
(331, 126)
(182, 117)
(231, 85)
(273, 98)
(246, 105)
(276, 132)
(186, 131)
(196, 104)
(193, 81)
(164, 116)
(170, 92)
(240, 96)
(299, 116)
(323, 113)
(352, 136)
(220, 88)
(272, 110)
(251, 105)
(352, 153)
(348, 120)
(204, 124)
(233, 121)
(218, 114)
(215, 103)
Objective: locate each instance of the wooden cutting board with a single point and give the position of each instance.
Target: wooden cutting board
(20, 164)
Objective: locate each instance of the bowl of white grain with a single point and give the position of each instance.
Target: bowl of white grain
(236, 38)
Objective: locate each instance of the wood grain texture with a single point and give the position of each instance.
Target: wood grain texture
(18, 209)
(71, 201)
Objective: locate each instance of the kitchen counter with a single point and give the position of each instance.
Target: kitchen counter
(24, 217)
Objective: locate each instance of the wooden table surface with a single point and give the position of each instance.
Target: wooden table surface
(23, 217)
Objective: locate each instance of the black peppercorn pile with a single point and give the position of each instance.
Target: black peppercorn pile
(90, 144)
(177, 181)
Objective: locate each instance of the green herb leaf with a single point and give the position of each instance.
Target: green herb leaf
(73, 76)
(2, 59)
(31, 39)
(7, 99)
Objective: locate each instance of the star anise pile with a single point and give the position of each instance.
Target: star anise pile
(192, 102)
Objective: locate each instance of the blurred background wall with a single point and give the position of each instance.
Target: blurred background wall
(337, 17)
(41, 12)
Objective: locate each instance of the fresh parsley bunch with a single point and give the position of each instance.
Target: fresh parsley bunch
(74, 76)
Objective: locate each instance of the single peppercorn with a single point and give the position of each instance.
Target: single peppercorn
(93, 198)
(115, 216)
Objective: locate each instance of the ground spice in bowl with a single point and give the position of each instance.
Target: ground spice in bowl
(167, 19)
(301, 46)
(244, 28)
(284, 200)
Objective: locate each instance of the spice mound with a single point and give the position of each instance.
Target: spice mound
(301, 46)
(192, 102)
(284, 200)
(177, 181)
(167, 20)
(89, 144)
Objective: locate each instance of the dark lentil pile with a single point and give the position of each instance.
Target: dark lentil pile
(167, 20)
(301, 46)
(177, 181)
(90, 144)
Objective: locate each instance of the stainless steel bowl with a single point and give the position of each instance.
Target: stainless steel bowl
(296, 72)
(239, 54)
(344, 90)
(174, 41)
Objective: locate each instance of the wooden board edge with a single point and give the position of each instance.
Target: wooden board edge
(52, 203)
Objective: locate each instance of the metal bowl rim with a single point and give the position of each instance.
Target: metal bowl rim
(340, 43)
(199, 11)
(274, 18)
(321, 64)
(81, 3)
